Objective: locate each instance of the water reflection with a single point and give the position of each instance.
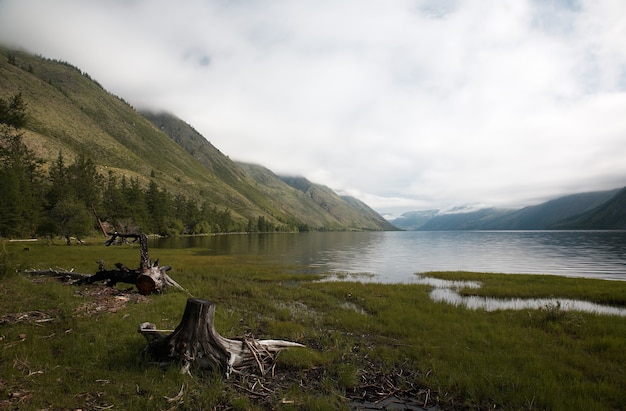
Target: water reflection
(394, 257)
(446, 291)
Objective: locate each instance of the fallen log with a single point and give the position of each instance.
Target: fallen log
(196, 344)
(149, 278)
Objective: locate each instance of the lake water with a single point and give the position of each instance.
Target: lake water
(396, 256)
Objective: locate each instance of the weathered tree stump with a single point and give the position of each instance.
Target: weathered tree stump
(148, 277)
(195, 343)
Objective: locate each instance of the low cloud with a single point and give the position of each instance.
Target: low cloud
(408, 105)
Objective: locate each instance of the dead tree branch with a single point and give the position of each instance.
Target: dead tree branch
(149, 277)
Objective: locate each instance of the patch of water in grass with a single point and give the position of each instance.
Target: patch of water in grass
(447, 284)
(446, 291)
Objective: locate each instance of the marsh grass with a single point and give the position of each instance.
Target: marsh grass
(532, 359)
(540, 286)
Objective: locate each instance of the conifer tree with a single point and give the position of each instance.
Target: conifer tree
(20, 176)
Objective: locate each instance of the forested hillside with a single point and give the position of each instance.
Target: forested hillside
(311, 206)
(78, 152)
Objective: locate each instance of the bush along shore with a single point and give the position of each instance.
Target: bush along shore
(366, 345)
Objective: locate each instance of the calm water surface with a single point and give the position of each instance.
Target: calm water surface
(395, 257)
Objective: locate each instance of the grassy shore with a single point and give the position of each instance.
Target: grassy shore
(76, 347)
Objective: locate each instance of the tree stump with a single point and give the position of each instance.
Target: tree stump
(195, 343)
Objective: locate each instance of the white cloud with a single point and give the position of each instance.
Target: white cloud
(407, 104)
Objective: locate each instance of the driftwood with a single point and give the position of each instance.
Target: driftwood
(148, 278)
(196, 344)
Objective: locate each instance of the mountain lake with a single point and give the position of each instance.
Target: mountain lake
(397, 256)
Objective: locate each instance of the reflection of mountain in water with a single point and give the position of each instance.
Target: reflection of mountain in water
(395, 257)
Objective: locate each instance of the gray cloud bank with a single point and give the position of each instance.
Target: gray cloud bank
(406, 105)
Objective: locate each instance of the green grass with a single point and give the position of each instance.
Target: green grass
(354, 332)
(541, 286)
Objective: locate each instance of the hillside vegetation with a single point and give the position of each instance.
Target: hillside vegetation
(70, 115)
(288, 198)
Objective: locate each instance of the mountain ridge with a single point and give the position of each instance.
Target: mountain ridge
(592, 210)
(70, 114)
(279, 196)
(608, 215)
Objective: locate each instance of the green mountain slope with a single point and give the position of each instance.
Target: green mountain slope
(367, 210)
(316, 207)
(297, 196)
(70, 113)
(610, 215)
(547, 214)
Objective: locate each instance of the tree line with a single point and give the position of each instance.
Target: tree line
(74, 200)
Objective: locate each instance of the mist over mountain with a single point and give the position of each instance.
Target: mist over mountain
(414, 220)
(70, 114)
(594, 210)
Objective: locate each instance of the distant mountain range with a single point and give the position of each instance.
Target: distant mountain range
(70, 113)
(602, 210)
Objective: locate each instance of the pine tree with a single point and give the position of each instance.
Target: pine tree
(86, 182)
(60, 186)
(20, 176)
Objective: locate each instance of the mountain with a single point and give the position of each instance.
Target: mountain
(367, 210)
(297, 195)
(547, 214)
(307, 204)
(71, 114)
(414, 220)
(595, 210)
(472, 220)
(608, 215)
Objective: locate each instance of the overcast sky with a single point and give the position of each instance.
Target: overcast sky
(405, 104)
